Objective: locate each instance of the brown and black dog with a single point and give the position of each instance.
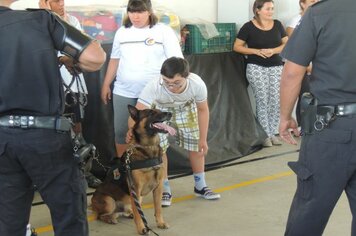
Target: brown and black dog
(112, 196)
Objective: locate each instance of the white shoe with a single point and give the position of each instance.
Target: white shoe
(267, 143)
(275, 141)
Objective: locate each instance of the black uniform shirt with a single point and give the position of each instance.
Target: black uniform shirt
(30, 82)
(327, 37)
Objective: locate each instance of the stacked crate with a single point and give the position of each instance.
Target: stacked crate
(195, 43)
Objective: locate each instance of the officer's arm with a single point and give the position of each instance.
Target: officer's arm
(291, 80)
(92, 58)
(86, 52)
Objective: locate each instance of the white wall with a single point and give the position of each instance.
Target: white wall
(204, 9)
(285, 9)
(233, 11)
(238, 11)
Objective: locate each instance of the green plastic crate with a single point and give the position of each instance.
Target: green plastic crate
(195, 43)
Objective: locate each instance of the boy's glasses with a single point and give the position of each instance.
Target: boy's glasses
(176, 84)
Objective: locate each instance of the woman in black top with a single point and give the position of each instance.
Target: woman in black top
(262, 39)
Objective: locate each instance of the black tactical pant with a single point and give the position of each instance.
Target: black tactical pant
(43, 158)
(326, 167)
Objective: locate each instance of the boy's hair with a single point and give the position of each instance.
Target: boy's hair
(140, 6)
(173, 66)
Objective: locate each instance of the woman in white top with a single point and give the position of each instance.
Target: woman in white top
(139, 49)
(292, 23)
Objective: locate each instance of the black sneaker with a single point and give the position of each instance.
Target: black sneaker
(206, 193)
(166, 199)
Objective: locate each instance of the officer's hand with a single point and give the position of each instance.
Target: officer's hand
(69, 64)
(288, 128)
(105, 94)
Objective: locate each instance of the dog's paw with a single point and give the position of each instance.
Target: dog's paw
(144, 231)
(109, 220)
(129, 215)
(112, 221)
(163, 225)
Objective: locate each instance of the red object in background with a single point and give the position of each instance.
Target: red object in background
(101, 25)
(107, 21)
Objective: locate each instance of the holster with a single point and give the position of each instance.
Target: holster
(314, 117)
(308, 113)
(83, 152)
(325, 114)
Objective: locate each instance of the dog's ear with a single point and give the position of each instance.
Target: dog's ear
(133, 112)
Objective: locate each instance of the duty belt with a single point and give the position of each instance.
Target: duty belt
(36, 122)
(340, 110)
(345, 109)
(327, 113)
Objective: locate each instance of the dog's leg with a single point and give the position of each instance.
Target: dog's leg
(127, 207)
(157, 197)
(140, 226)
(110, 218)
(105, 207)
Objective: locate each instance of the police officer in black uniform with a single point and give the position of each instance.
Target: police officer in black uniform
(35, 142)
(327, 161)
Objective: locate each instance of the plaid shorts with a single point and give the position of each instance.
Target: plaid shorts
(185, 121)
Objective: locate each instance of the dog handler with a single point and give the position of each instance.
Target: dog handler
(184, 94)
(35, 142)
(327, 160)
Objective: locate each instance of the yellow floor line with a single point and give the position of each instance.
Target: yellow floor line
(92, 217)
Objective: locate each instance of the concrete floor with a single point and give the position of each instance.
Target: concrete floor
(255, 201)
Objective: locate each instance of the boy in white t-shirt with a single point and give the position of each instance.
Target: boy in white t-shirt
(183, 94)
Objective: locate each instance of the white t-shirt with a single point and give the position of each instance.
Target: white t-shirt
(66, 76)
(292, 23)
(156, 93)
(141, 52)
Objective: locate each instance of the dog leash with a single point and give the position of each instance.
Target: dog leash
(82, 97)
(96, 158)
(133, 193)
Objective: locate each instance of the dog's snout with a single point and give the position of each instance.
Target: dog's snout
(169, 115)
